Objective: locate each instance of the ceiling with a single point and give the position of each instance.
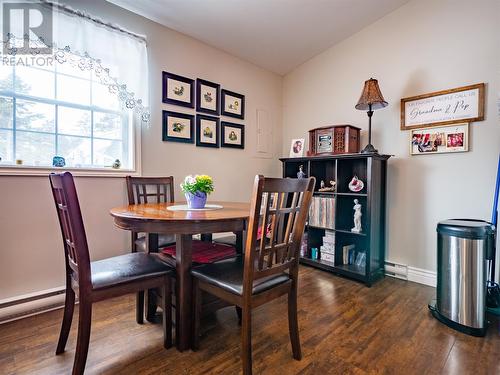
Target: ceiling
(277, 35)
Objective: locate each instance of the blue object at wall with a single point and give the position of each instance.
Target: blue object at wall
(58, 161)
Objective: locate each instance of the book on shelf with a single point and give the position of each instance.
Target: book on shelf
(351, 256)
(322, 212)
(347, 250)
(326, 257)
(329, 237)
(303, 245)
(326, 249)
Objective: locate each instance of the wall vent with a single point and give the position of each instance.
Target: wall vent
(399, 271)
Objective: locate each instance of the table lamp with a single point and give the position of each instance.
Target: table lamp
(371, 99)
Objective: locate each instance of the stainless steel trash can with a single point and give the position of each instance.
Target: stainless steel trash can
(463, 248)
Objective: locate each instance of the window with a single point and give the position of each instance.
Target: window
(61, 110)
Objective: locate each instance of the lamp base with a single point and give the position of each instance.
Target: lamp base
(369, 149)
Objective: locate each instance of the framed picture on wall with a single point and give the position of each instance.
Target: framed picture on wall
(232, 135)
(232, 104)
(207, 131)
(439, 140)
(178, 90)
(207, 97)
(178, 127)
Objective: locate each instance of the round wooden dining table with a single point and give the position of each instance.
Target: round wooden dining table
(156, 218)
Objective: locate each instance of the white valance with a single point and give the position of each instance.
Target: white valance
(118, 58)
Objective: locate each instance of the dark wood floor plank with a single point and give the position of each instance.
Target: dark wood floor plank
(345, 328)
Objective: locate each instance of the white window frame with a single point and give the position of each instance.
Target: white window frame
(134, 141)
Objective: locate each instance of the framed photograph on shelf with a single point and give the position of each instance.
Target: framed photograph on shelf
(297, 148)
(232, 135)
(207, 131)
(232, 104)
(439, 140)
(178, 90)
(455, 106)
(178, 127)
(207, 97)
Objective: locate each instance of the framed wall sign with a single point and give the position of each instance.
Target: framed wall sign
(443, 107)
(178, 90)
(207, 97)
(207, 131)
(232, 135)
(438, 140)
(232, 104)
(178, 127)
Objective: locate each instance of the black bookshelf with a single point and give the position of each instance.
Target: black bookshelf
(372, 170)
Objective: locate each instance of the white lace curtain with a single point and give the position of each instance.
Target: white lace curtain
(118, 58)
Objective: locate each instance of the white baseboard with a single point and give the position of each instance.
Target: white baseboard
(31, 304)
(421, 276)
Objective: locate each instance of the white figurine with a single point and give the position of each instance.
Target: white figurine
(357, 217)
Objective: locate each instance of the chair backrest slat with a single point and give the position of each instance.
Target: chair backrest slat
(76, 250)
(150, 189)
(278, 215)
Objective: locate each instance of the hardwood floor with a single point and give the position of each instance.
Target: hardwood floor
(345, 327)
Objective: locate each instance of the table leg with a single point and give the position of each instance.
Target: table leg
(151, 247)
(183, 313)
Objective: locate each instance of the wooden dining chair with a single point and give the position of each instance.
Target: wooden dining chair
(150, 190)
(103, 279)
(269, 266)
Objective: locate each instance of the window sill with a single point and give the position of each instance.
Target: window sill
(24, 170)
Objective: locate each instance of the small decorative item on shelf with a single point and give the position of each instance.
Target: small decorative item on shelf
(19, 161)
(196, 190)
(331, 140)
(58, 161)
(117, 164)
(356, 185)
(297, 148)
(314, 253)
(357, 217)
(300, 173)
(360, 259)
(330, 188)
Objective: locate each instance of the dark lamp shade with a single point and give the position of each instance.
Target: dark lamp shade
(371, 95)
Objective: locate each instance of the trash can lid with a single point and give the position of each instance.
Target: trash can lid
(466, 228)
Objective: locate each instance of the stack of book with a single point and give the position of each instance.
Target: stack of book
(327, 250)
(348, 254)
(322, 212)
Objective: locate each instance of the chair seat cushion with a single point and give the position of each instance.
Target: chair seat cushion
(205, 252)
(163, 240)
(228, 274)
(126, 268)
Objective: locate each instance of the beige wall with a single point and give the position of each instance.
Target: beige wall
(424, 46)
(30, 243)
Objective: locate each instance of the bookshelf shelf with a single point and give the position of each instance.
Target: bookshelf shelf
(352, 194)
(349, 232)
(359, 256)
